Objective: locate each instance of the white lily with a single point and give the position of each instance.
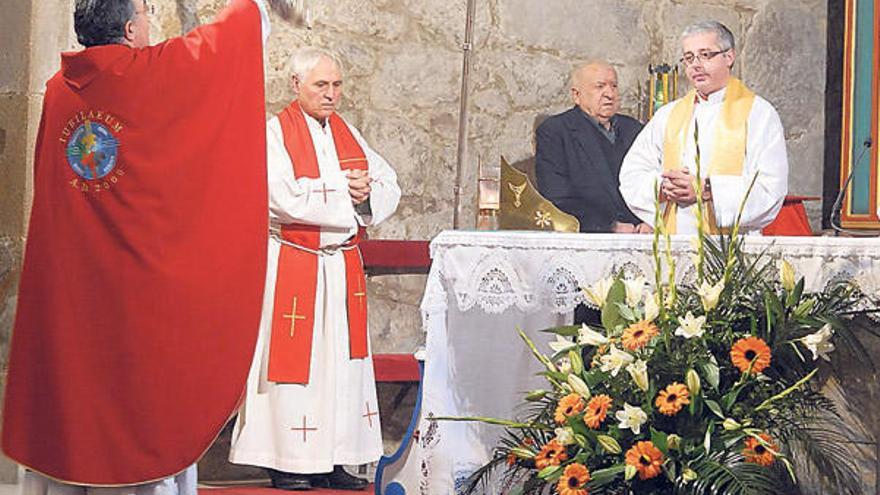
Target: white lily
(561, 344)
(819, 343)
(631, 417)
(565, 436)
(588, 336)
(709, 294)
(787, 275)
(615, 360)
(691, 327)
(578, 386)
(652, 309)
(564, 365)
(639, 373)
(634, 290)
(598, 292)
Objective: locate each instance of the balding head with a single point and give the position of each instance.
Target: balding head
(594, 90)
(585, 69)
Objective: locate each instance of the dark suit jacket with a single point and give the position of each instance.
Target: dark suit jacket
(574, 173)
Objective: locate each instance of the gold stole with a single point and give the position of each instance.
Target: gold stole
(729, 147)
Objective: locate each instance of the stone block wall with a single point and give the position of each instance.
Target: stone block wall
(32, 33)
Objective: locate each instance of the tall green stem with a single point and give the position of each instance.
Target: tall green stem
(658, 267)
(734, 232)
(698, 191)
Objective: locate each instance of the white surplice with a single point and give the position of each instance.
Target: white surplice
(765, 153)
(332, 420)
(184, 483)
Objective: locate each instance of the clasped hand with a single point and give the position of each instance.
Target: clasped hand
(359, 185)
(678, 186)
(629, 228)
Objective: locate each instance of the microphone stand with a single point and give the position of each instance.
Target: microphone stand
(836, 207)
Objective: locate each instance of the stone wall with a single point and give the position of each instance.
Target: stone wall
(32, 33)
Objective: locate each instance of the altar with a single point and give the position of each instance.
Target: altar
(484, 285)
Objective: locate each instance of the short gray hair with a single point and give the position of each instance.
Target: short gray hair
(101, 22)
(306, 58)
(725, 37)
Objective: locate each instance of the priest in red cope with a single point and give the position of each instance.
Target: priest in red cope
(143, 272)
(311, 399)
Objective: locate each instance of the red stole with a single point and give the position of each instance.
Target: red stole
(293, 318)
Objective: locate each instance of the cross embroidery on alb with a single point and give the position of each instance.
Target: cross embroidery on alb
(369, 414)
(324, 191)
(305, 429)
(293, 317)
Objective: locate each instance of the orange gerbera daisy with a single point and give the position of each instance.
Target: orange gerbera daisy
(750, 349)
(757, 453)
(570, 405)
(597, 408)
(647, 459)
(672, 399)
(552, 454)
(639, 334)
(573, 480)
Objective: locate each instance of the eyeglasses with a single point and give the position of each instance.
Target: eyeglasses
(703, 56)
(149, 9)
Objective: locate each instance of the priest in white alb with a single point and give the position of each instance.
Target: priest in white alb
(311, 402)
(735, 135)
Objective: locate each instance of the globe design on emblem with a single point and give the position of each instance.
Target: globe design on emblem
(92, 151)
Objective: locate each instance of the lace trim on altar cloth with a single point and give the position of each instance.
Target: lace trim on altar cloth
(531, 272)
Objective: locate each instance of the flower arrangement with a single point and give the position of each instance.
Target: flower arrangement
(704, 387)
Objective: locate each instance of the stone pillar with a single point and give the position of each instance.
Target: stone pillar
(32, 33)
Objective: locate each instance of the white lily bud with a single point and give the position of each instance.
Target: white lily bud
(787, 275)
(731, 424)
(577, 362)
(579, 386)
(609, 444)
(692, 379)
(522, 453)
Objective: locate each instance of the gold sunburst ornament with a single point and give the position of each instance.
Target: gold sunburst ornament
(543, 219)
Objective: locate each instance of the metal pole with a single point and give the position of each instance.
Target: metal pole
(463, 112)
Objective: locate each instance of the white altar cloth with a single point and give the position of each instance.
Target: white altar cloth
(483, 285)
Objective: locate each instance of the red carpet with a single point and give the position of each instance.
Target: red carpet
(265, 490)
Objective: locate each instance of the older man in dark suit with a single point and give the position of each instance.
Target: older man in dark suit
(579, 153)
